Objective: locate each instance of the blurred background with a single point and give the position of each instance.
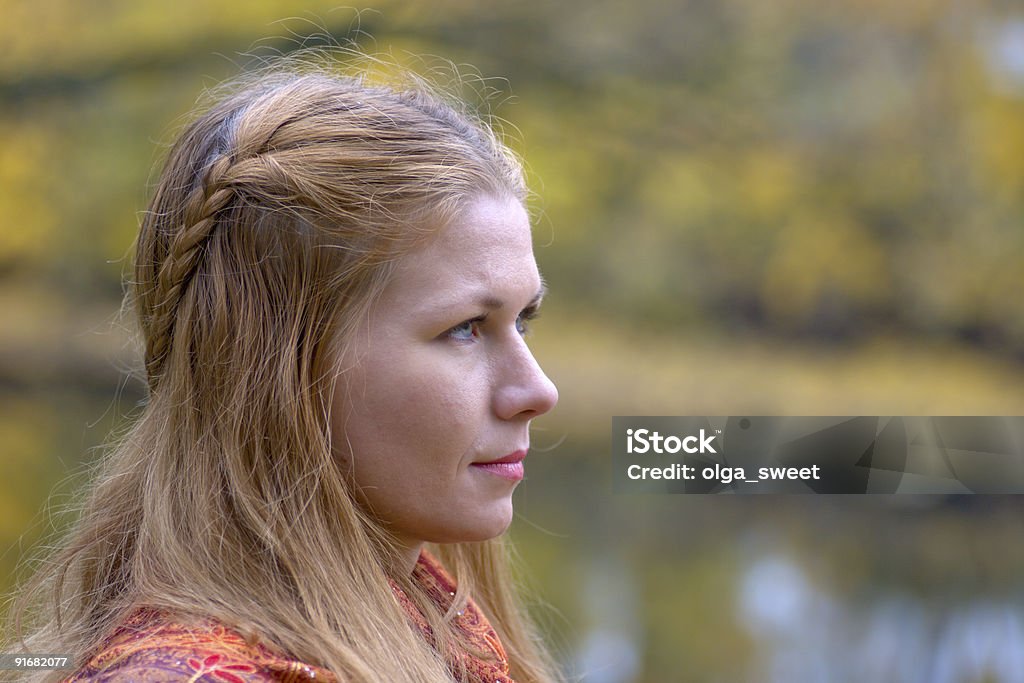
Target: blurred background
(743, 207)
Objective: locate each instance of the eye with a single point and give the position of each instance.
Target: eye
(467, 330)
(529, 314)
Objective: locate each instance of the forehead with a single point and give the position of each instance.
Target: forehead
(487, 247)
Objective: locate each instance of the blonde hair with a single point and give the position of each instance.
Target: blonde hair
(271, 231)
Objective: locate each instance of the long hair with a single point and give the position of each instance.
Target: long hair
(271, 231)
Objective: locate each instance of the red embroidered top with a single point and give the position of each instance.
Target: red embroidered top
(149, 648)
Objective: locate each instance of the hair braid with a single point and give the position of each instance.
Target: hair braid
(213, 195)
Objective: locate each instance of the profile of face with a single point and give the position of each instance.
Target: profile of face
(435, 396)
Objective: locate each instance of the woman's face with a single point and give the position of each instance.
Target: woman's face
(440, 384)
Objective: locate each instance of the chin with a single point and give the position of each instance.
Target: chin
(485, 525)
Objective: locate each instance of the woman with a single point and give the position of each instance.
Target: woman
(333, 280)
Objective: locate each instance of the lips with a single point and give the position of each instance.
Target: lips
(508, 467)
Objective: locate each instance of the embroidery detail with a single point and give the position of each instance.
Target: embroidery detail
(150, 648)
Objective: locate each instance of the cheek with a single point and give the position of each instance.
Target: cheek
(420, 414)
(413, 429)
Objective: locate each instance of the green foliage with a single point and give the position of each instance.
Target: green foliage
(793, 168)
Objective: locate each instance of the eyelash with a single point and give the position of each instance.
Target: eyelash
(522, 324)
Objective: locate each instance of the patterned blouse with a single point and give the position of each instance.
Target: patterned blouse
(150, 648)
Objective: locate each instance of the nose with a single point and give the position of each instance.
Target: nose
(523, 390)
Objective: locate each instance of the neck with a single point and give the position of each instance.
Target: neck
(407, 553)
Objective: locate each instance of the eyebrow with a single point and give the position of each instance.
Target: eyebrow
(493, 303)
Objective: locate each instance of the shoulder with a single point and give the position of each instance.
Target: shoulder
(148, 649)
